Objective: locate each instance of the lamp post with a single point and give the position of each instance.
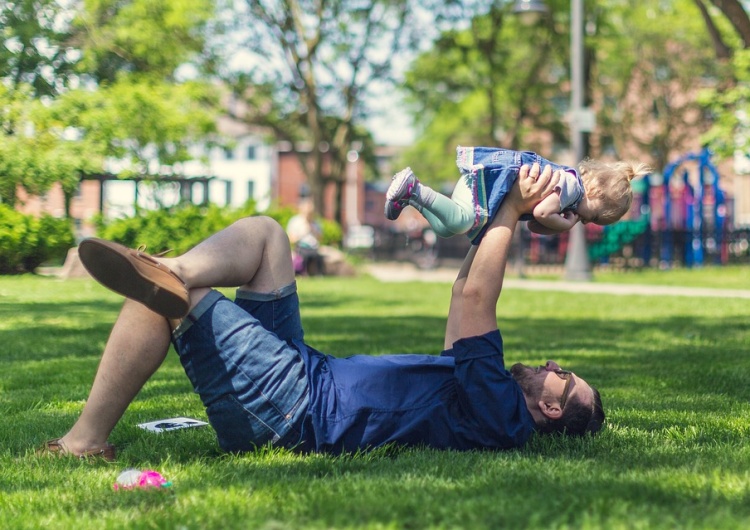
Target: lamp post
(577, 264)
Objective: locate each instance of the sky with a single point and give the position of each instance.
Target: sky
(390, 125)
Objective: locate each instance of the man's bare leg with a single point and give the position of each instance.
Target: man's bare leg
(136, 347)
(253, 253)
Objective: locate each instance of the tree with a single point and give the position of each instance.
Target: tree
(647, 94)
(731, 111)
(729, 103)
(146, 126)
(487, 84)
(736, 15)
(143, 37)
(129, 104)
(313, 63)
(35, 46)
(30, 155)
(640, 81)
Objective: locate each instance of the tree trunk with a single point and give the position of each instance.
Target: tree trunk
(316, 180)
(722, 50)
(737, 17)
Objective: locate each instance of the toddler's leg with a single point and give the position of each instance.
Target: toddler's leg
(403, 186)
(437, 225)
(449, 216)
(446, 216)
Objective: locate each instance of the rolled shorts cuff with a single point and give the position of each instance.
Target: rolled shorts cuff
(278, 294)
(213, 296)
(201, 307)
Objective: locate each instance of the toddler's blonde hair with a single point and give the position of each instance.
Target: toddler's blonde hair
(610, 184)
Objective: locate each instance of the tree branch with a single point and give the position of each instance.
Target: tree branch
(722, 50)
(737, 17)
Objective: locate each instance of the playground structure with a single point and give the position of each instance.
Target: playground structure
(682, 220)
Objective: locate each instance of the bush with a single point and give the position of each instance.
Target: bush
(27, 241)
(178, 229)
(182, 227)
(331, 233)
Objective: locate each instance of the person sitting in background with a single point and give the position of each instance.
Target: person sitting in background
(304, 235)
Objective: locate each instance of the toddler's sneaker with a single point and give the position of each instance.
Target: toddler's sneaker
(402, 188)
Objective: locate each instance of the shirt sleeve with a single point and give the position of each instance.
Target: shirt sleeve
(492, 407)
(571, 190)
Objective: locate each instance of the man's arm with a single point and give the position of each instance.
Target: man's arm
(479, 282)
(452, 328)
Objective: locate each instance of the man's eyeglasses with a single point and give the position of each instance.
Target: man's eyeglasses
(567, 377)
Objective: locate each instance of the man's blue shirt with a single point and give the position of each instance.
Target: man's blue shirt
(463, 399)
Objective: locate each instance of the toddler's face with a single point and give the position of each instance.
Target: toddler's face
(588, 210)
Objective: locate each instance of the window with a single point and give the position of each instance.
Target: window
(251, 189)
(251, 152)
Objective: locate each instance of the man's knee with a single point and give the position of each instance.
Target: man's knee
(275, 232)
(265, 226)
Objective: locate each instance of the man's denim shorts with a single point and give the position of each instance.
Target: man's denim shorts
(240, 359)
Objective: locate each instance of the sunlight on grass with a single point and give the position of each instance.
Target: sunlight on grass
(724, 277)
(672, 373)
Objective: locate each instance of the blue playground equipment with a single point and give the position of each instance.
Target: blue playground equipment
(688, 220)
(703, 211)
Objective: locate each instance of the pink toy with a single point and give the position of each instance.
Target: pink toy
(135, 478)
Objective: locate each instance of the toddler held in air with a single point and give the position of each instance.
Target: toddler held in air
(595, 192)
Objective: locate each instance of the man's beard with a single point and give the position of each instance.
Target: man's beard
(524, 376)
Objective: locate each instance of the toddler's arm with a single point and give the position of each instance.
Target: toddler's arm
(547, 214)
(538, 228)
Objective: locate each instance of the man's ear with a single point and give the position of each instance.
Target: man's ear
(550, 410)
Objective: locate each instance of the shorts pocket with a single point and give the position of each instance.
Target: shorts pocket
(238, 429)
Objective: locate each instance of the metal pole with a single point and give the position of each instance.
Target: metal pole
(577, 265)
(352, 182)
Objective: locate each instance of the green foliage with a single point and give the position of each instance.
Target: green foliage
(331, 233)
(141, 36)
(731, 110)
(487, 84)
(312, 68)
(149, 125)
(34, 46)
(639, 67)
(137, 113)
(182, 227)
(34, 151)
(179, 228)
(27, 241)
(498, 82)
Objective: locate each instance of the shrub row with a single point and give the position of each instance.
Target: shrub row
(27, 241)
(181, 228)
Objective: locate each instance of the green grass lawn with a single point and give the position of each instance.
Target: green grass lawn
(673, 373)
(729, 277)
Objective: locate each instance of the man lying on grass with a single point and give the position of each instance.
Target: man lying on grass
(262, 384)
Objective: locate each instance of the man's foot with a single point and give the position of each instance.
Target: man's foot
(402, 188)
(57, 447)
(135, 275)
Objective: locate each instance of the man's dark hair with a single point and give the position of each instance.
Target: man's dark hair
(577, 419)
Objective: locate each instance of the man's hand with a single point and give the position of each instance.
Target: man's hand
(531, 187)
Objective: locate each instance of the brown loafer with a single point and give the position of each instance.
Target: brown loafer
(56, 447)
(135, 275)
